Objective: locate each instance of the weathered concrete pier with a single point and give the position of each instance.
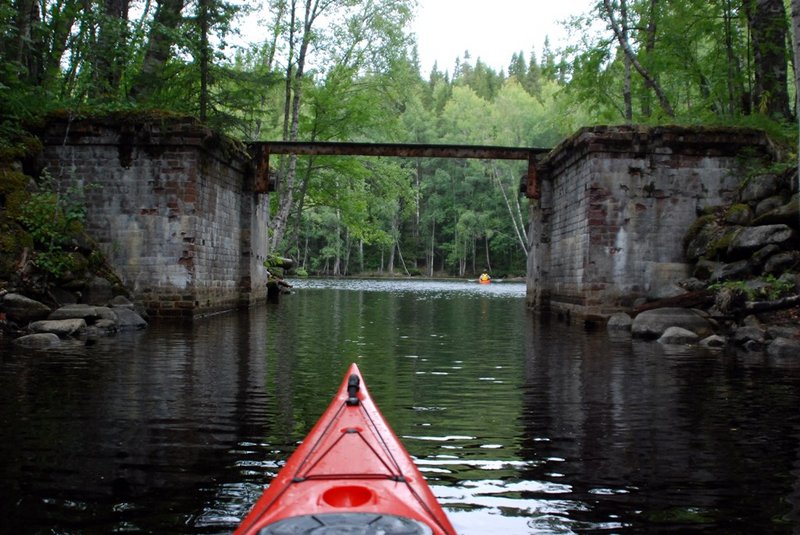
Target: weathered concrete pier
(173, 206)
(615, 204)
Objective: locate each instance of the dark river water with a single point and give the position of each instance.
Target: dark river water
(520, 425)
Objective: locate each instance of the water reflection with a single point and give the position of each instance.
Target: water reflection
(520, 426)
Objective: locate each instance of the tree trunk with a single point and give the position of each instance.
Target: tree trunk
(338, 243)
(165, 21)
(286, 193)
(390, 264)
(474, 241)
(346, 266)
(298, 219)
(626, 84)
(433, 246)
(796, 45)
(488, 259)
(767, 22)
(112, 41)
(649, 80)
(22, 47)
(734, 94)
(204, 58)
(62, 23)
(649, 47)
(515, 212)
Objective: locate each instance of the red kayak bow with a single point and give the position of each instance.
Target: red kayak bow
(350, 475)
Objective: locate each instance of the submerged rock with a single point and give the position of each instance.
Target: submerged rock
(82, 311)
(678, 335)
(128, 319)
(714, 341)
(653, 323)
(38, 341)
(784, 347)
(619, 322)
(61, 328)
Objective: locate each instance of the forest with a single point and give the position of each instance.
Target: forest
(348, 70)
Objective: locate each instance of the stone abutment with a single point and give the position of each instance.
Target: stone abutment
(173, 207)
(615, 204)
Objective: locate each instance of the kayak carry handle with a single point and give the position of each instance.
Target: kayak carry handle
(353, 386)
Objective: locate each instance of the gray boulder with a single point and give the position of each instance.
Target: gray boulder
(705, 269)
(653, 323)
(120, 301)
(61, 328)
(678, 335)
(78, 311)
(619, 322)
(735, 270)
(784, 347)
(782, 331)
(760, 187)
(129, 320)
(37, 341)
(786, 214)
(749, 336)
(23, 310)
(782, 262)
(760, 257)
(703, 239)
(98, 291)
(738, 214)
(749, 239)
(106, 313)
(714, 341)
(765, 206)
(102, 328)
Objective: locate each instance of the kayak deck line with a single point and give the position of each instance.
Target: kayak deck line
(351, 473)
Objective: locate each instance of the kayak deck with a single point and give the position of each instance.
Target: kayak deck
(350, 475)
(350, 523)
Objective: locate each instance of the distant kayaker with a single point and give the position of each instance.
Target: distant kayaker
(485, 277)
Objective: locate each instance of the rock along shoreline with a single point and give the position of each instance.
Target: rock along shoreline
(34, 325)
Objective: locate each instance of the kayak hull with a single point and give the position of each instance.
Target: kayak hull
(351, 470)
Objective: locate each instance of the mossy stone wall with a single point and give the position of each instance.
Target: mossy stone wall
(616, 204)
(172, 206)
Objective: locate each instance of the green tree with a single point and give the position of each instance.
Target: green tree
(367, 38)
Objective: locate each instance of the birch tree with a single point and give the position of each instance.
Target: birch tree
(621, 34)
(795, 6)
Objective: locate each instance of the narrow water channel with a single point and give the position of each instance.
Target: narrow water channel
(521, 426)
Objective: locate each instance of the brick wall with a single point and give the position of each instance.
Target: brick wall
(615, 205)
(172, 206)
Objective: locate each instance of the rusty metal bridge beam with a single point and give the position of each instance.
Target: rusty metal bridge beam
(263, 150)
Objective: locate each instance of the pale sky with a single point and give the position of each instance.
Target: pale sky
(491, 30)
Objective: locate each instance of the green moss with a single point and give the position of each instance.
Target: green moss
(12, 180)
(719, 247)
(17, 144)
(697, 227)
(12, 183)
(736, 209)
(763, 288)
(13, 241)
(116, 116)
(738, 214)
